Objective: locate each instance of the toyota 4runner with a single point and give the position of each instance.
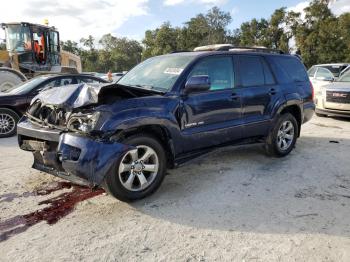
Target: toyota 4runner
(164, 112)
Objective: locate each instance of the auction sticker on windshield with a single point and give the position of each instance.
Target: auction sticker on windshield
(173, 71)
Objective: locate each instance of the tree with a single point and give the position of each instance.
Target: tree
(70, 46)
(319, 37)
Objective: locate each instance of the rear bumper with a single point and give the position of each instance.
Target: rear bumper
(330, 112)
(308, 112)
(71, 156)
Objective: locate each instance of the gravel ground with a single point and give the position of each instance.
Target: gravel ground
(233, 205)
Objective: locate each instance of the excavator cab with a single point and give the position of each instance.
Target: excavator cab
(32, 48)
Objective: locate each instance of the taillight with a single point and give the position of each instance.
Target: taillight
(312, 91)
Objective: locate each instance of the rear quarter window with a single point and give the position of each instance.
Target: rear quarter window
(293, 68)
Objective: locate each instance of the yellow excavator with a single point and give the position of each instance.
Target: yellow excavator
(33, 49)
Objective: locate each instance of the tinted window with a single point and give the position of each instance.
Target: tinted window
(251, 71)
(323, 73)
(60, 82)
(269, 79)
(87, 80)
(219, 70)
(292, 67)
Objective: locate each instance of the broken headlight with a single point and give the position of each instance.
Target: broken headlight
(83, 122)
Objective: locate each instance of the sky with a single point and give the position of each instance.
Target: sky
(131, 18)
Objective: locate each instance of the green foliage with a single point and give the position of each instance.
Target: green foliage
(320, 37)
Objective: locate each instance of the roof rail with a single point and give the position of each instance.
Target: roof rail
(256, 49)
(217, 47)
(229, 47)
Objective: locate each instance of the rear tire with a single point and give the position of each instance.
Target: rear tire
(136, 176)
(8, 122)
(283, 136)
(8, 80)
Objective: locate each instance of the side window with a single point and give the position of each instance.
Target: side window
(269, 79)
(60, 82)
(88, 80)
(292, 67)
(312, 71)
(219, 70)
(323, 73)
(251, 71)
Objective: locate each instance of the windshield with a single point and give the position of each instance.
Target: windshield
(17, 38)
(26, 87)
(345, 77)
(335, 69)
(159, 73)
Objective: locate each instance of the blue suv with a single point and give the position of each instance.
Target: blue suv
(166, 111)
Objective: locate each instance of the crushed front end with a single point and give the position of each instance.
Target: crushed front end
(64, 142)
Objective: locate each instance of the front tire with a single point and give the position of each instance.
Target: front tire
(283, 136)
(139, 172)
(8, 122)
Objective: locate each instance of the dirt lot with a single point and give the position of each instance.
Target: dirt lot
(236, 204)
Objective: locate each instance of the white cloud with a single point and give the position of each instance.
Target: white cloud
(205, 2)
(74, 18)
(340, 6)
(234, 11)
(173, 2)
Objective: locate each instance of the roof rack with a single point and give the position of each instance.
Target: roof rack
(229, 47)
(256, 49)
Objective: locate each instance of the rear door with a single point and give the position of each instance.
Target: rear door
(260, 93)
(212, 117)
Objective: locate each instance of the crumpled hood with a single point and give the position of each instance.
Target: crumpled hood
(70, 96)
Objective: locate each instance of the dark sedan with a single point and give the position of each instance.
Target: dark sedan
(14, 102)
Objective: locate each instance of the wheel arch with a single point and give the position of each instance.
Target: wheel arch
(12, 109)
(18, 73)
(294, 110)
(159, 132)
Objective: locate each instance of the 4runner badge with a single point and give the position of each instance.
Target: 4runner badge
(194, 124)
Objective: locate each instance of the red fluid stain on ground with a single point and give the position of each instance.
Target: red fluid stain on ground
(58, 207)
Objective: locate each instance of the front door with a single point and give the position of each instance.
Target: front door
(212, 117)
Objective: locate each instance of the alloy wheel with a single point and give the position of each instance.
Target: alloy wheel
(285, 135)
(7, 124)
(138, 168)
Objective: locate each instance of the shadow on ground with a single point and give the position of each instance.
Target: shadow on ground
(241, 189)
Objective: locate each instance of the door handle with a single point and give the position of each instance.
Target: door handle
(272, 91)
(234, 96)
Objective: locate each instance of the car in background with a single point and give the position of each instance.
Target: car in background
(115, 76)
(321, 75)
(334, 99)
(14, 101)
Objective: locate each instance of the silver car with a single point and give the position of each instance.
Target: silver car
(334, 99)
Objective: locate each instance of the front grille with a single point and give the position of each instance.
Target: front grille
(338, 97)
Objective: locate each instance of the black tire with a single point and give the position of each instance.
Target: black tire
(271, 145)
(114, 186)
(8, 114)
(8, 79)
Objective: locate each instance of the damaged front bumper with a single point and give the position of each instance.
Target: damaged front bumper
(71, 156)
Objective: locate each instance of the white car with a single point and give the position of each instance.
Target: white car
(334, 98)
(321, 75)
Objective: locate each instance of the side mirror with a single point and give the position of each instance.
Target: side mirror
(197, 84)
